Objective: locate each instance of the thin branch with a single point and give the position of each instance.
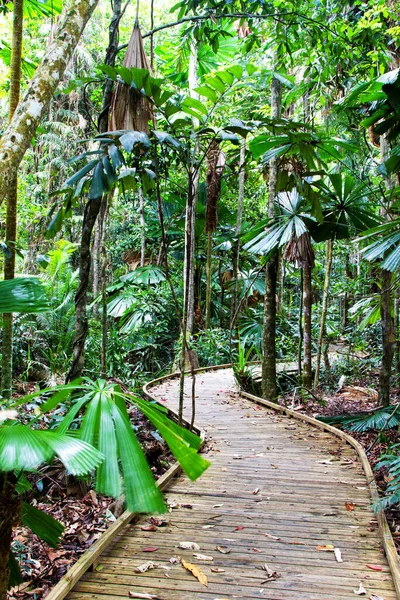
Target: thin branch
(239, 15)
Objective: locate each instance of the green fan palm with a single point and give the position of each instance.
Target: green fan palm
(105, 425)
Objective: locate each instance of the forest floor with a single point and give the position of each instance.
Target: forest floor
(85, 515)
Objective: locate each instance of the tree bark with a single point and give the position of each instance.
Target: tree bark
(238, 228)
(388, 339)
(329, 257)
(12, 198)
(10, 508)
(189, 234)
(188, 289)
(91, 213)
(307, 300)
(142, 229)
(17, 137)
(269, 384)
(208, 278)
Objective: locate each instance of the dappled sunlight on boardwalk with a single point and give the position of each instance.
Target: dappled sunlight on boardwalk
(282, 513)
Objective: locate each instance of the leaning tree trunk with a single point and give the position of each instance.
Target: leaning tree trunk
(328, 268)
(10, 508)
(307, 301)
(17, 138)
(90, 215)
(269, 384)
(12, 198)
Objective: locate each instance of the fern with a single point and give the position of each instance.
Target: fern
(378, 419)
(392, 464)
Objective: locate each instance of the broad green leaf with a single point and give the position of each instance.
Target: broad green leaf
(46, 528)
(142, 494)
(207, 92)
(23, 295)
(99, 183)
(81, 173)
(15, 571)
(133, 138)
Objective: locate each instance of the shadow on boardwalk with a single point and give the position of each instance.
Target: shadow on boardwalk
(279, 495)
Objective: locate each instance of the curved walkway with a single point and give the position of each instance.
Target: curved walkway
(283, 511)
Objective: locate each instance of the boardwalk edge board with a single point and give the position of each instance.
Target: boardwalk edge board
(89, 558)
(384, 530)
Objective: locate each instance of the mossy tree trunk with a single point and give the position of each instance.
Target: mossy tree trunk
(17, 137)
(12, 198)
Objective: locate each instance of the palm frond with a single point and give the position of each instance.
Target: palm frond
(378, 419)
(23, 295)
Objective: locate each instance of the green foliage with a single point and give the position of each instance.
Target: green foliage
(381, 418)
(24, 295)
(390, 461)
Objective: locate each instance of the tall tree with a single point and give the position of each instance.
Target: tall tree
(269, 383)
(12, 199)
(17, 137)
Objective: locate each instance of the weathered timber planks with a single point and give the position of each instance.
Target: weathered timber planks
(304, 477)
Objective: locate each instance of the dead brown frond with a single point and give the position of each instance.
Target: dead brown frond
(129, 108)
(299, 251)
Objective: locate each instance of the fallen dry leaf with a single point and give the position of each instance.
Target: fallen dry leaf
(174, 560)
(255, 492)
(374, 567)
(223, 549)
(271, 574)
(149, 527)
(143, 596)
(338, 555)
(150, 549)
(361, 590)
(202, 557)
(195, 571)
(239, 528)
(273, 537)
(189, 546)
(350, 506)
(375, 597)
(147, 566)
(327, 548)
(217, 570)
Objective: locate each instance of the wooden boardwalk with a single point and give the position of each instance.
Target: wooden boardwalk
(278, 495)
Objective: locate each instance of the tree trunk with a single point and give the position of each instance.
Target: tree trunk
(90, 215)
(12, 198)
(10, 508)
(388, 339)
(239, 218)
(269, 384)
(329, 256)
(142, 229)
(347, 294)
(81, 327)
(189, 234)
(208, 279)
(307, 300)
(301, 330)
(188, 289)
(18, 136)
